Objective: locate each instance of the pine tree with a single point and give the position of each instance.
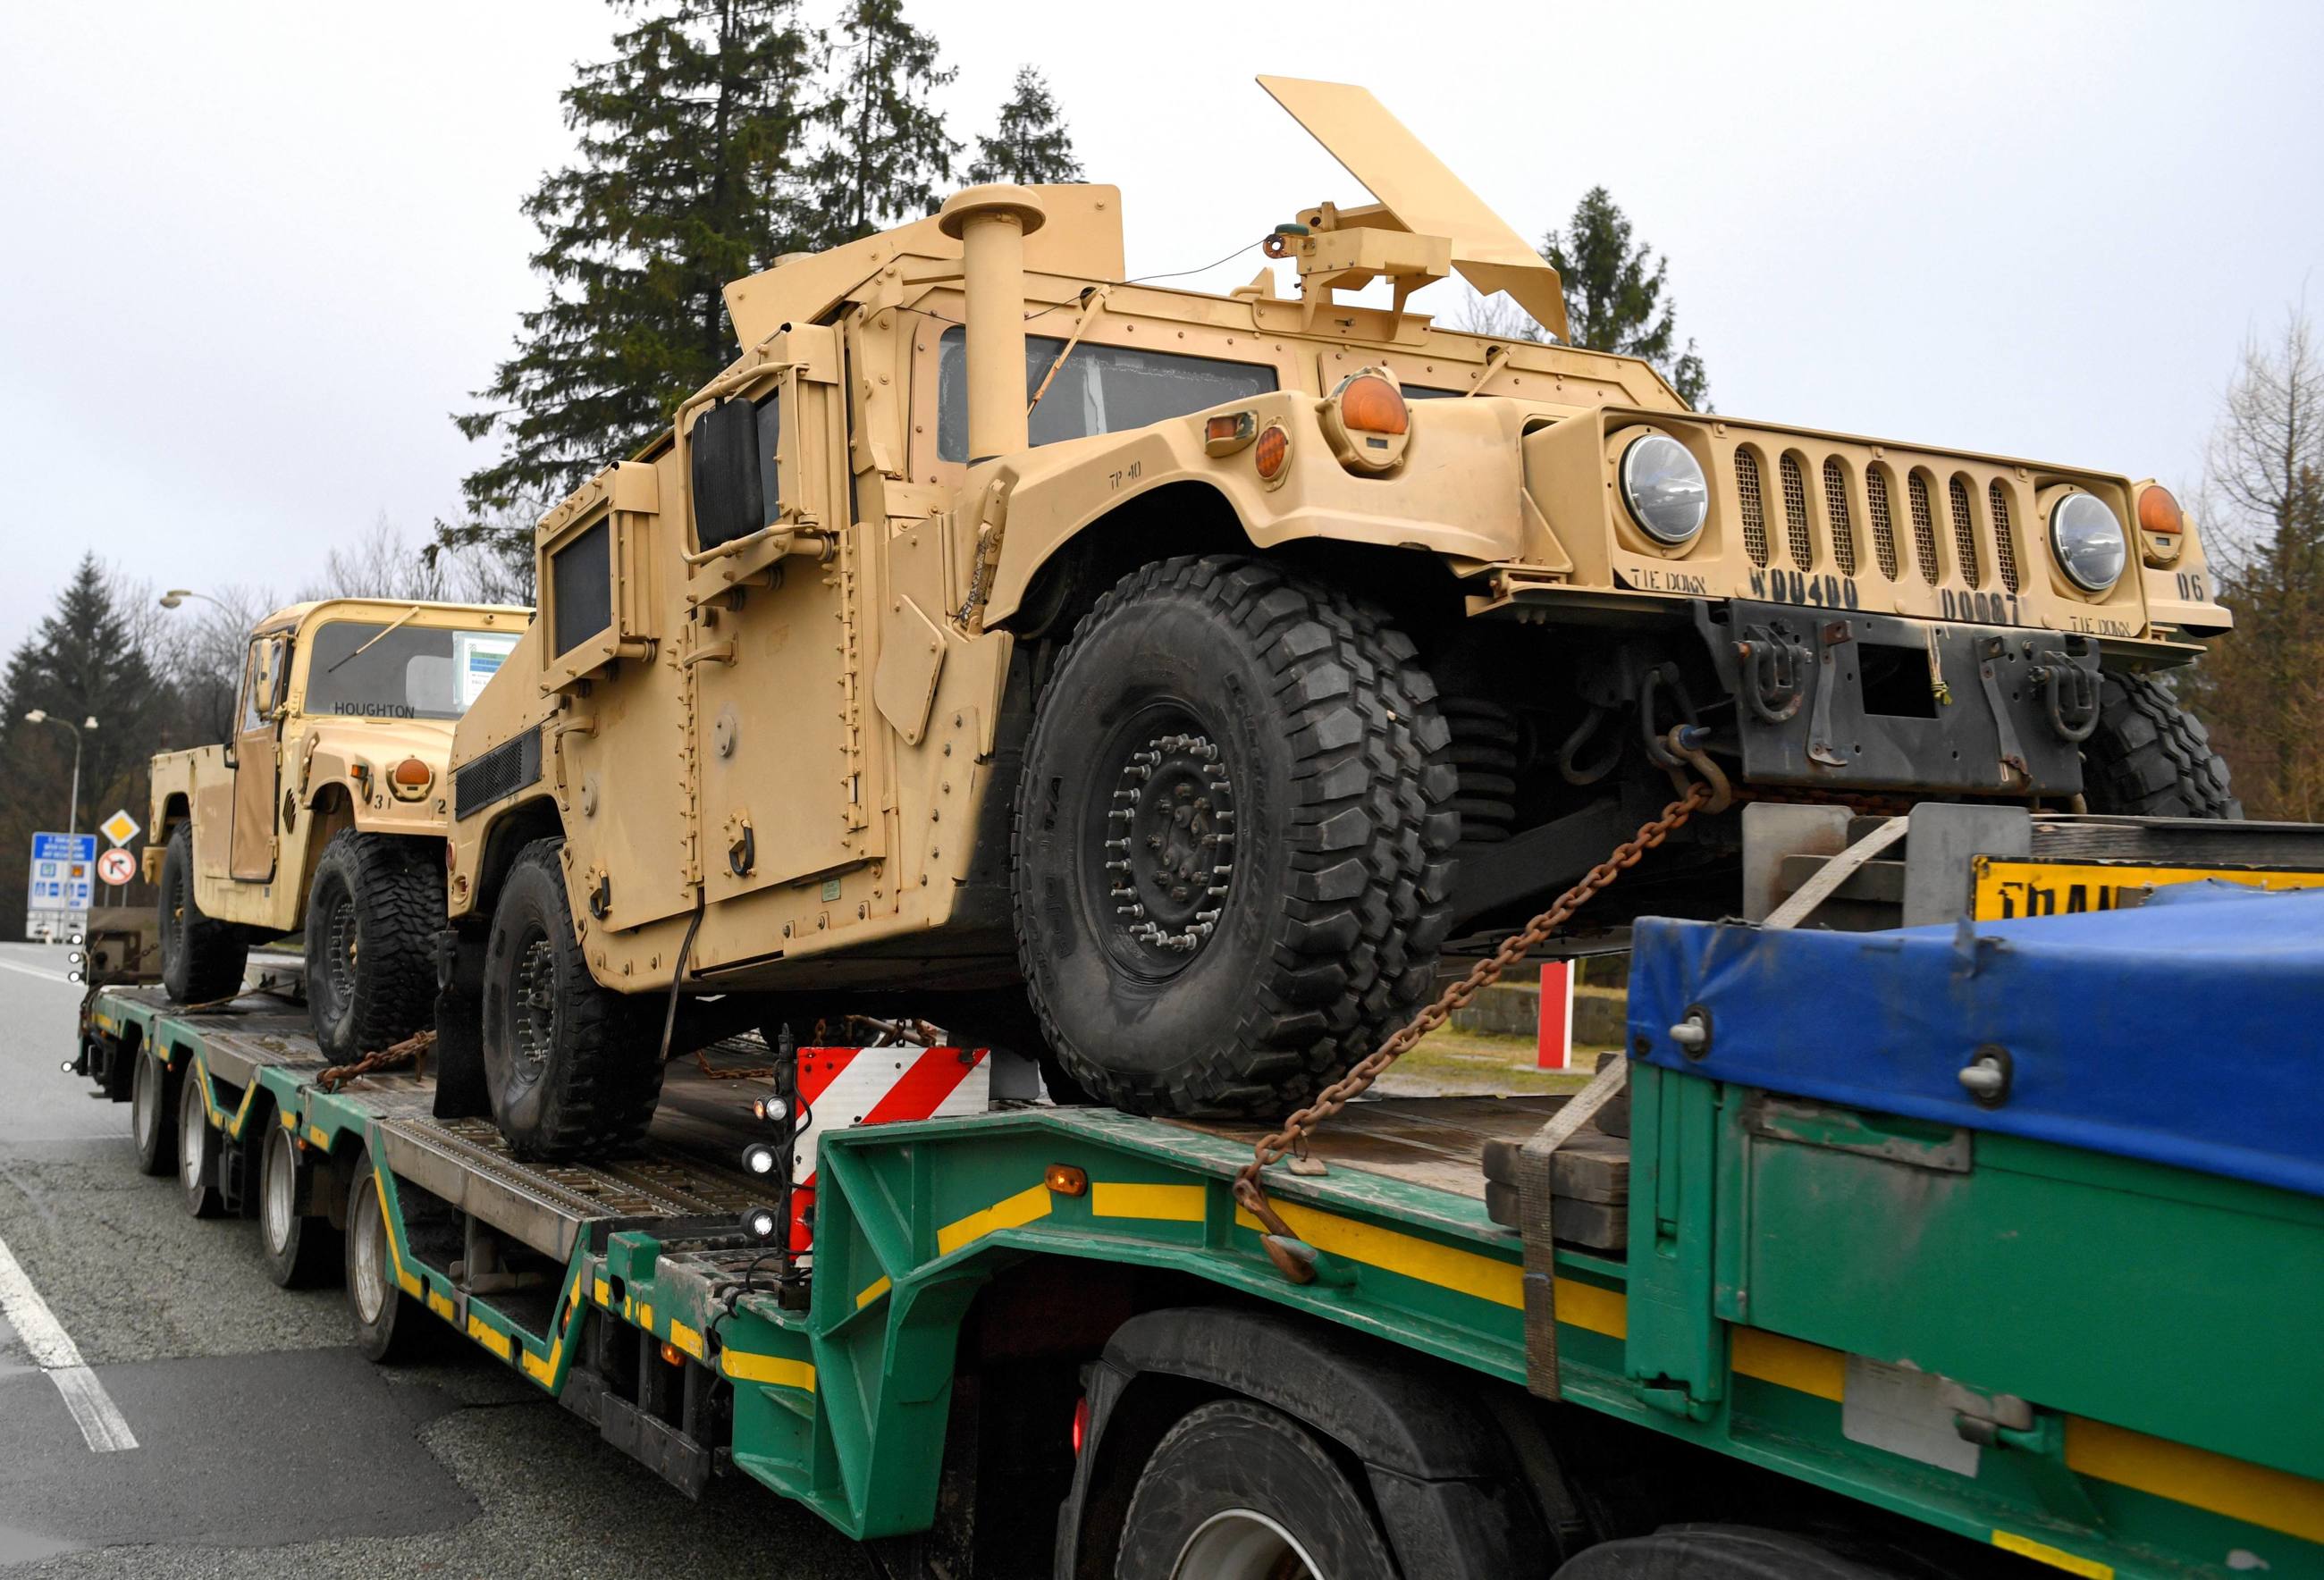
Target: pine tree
(81, 663)
(1031, 146)
(1614, 294)
(885, 152)
(690, 137)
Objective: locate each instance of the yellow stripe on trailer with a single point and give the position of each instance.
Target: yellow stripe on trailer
(491, 1338)
(1393, 1251)
(2041, 1552)
(2274, 1499)
(1009, 1213)
(779, 1369)
(1169, 1204)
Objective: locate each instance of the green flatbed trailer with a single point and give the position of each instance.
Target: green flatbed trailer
(1008, 1313)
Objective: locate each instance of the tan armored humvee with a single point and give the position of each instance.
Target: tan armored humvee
(326, 813)
(1280, 641)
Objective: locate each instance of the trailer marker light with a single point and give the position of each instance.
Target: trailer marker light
(760, 1157)
(772, 1110)
(1080, 1423)
(761, 1223)
(1064, 1180)
(672, 1356)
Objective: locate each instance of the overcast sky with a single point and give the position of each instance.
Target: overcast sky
(255, 253)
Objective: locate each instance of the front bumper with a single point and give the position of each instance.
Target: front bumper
(1876, 703)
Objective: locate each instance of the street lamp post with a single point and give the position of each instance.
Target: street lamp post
(177, 596)
(79, 733)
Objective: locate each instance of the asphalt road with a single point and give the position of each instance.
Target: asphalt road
(264, 1443)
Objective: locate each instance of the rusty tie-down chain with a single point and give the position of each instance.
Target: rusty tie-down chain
(1250, 1190)
(393, 1057)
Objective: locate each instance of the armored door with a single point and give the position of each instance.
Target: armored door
(785, 793)
(256, 759)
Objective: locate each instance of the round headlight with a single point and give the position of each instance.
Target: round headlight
(2087, 541)
(1664, 488)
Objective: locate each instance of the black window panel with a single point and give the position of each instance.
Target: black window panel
(581, 588)
(1101, 388)
(769, 419)
(1430, 392)
(722, 448)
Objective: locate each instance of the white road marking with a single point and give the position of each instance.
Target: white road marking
(36, 971)
(53, 1351)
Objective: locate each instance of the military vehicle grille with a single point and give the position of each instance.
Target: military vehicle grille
(1925, 527)
(496, 775)
(1965, 533)
(1754, 509)
(1835, 508)
(1884, 524)
(2005, 550)
(1795, 513)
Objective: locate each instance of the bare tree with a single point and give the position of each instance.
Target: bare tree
(2263, 688)
(1495, 316)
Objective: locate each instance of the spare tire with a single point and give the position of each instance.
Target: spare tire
(1232, 840)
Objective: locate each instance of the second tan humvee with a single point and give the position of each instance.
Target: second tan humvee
(325, 814)
(1159, 679)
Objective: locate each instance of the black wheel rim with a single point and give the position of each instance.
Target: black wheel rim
(338, 948)
(533, 1007)
(1161, 823)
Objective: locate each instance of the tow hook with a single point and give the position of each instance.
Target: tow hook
(1775, 670)
(2070, 694)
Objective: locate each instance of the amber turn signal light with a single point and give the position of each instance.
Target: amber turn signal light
(1272, 454)
(1064, 1180)
(1369, 404)
(2159, 513)
(1224, 436)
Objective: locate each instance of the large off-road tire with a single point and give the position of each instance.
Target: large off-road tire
(573, 1069)
(373, 912)
(2150, 758)
(1238, 1491)
(1260, 758)
(202, 959)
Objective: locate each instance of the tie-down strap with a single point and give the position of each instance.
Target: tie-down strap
(1537, 1160)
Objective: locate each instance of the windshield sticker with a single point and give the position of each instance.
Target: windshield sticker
(476, 658)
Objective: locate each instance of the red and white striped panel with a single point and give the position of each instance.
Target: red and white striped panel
(844, 1086)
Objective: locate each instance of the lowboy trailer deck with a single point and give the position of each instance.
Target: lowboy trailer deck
(1815, 1292)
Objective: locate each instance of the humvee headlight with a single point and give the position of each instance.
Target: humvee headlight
(1366, 421)
(1664, 488)
(2087, 541)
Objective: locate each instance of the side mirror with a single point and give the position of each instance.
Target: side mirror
(729, 501)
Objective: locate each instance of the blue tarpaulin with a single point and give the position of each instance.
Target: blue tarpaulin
(2187, 1031)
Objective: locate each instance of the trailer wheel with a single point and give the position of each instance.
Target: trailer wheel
(1232, 839)
(1728, 1552)
(301, 1249)
(198, 1149)
(2151, 757)
(572, 1069)
(373, 912)
(202, 959)
(389, 1325)
(1238, 1491)
(151, 1121)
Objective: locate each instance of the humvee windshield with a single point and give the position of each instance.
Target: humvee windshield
(410, 672)
(1101, 390)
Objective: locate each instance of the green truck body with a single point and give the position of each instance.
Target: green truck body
(1783, 1256)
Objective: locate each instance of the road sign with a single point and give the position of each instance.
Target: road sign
(116, 866)
(120, 828)
(58, 884)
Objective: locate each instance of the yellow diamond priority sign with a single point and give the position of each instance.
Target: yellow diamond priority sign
(120, 828)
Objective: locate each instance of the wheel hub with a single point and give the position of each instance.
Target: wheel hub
(535, 1005)
(1170, 843)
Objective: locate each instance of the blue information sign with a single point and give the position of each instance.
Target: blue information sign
(63, 874)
